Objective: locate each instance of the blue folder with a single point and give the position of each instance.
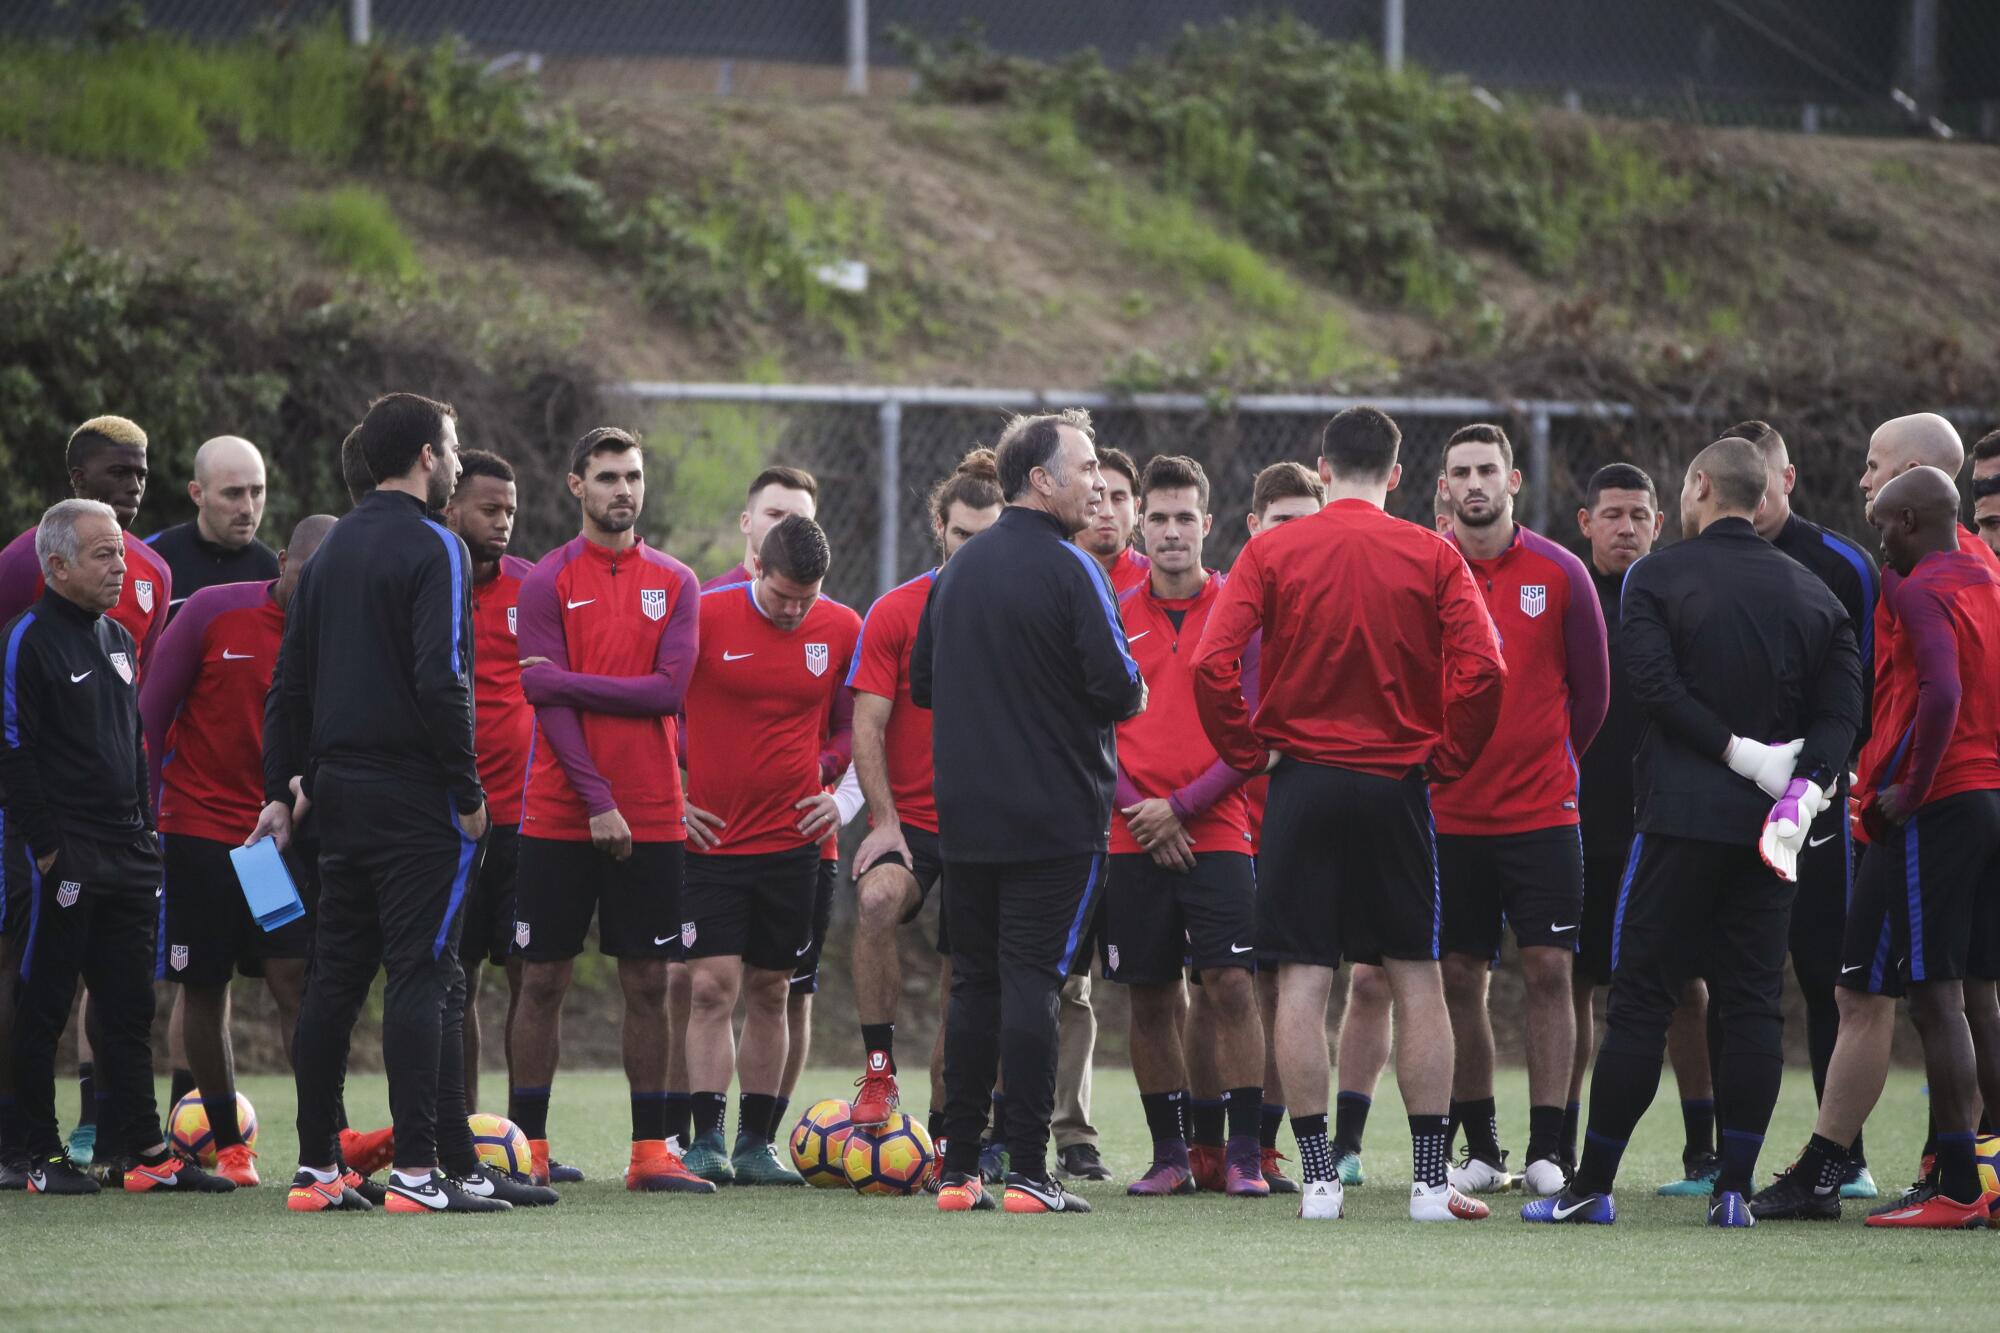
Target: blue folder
(267, 884)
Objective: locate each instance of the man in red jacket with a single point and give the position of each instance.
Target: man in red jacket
(1357, 712)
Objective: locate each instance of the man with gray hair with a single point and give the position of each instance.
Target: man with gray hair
(219, 545)
(82, 857)
(1022, 661)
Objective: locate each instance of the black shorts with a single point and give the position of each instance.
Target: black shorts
(925, 865)
(210, 934)
(805, 972)
(757, 907)
(1922, 894)
(1157, 921)
(1819, 912)
(1349, 867)
(1531, 882)
(488, 930)
(1603, 876)
(561, 884)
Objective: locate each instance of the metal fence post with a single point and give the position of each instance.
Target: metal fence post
(888, 498)
(1392, 35)
(358, 24)
(1541, 466)
(857, 48)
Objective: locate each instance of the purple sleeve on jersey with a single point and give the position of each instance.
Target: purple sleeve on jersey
(1127, 793)
(1589, 661)
(20, 576)
(171, 672)
(540, 634)
(1926, 620)
(1195, 799)
(655, 694)
(838, 752)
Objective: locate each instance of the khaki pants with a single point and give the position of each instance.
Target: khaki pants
(1078, 1044)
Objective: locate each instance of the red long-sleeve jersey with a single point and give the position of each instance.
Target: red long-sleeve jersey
(1558, 687)
(202, 701)
(619, 629)
(505, 720)
(142, 602)
(762, 715)
(882, 667)
(1130, 570)
(1378, 653)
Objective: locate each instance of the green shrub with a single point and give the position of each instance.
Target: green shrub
(356, 228)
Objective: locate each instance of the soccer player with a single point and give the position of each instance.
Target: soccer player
(1986, 489)
(1109, 536)
(219, 545)
(203, 705)
(1180, 889)
(898, 863)
(608, 629)
(1620, 520)
(82, 856)
(1509, 854)
(1355, 714)
(760, 755)
(1724, 639)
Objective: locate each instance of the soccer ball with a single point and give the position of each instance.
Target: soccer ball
(891, 1159)
(1988, 1150)
(500, 1144)
(819, 1141)
(189, 1135)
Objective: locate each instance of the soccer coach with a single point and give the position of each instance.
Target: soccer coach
(374, 713)
(1022, 661)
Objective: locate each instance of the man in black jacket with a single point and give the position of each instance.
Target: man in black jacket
(1725, 641)
(373, 715)
(82, 860)
(1022, 660)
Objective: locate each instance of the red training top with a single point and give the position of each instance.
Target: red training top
(505, 723)
(1130, 570)
(882, 668)
(142, 602)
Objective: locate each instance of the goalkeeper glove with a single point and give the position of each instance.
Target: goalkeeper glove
(1785, 828)
(1769, 766)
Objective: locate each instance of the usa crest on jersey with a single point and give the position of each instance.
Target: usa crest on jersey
(687, 934)
(177, 957)
(653, 601)
(513, 625)
(68, 892)
(1534, 599)
(520, 927)
(816, 658)
(122, 664)
(143, 590)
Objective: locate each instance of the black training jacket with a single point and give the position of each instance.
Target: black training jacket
(1723, 634)
(1022, 661)
(374, 676)
(1851, 574)
(1604, 788)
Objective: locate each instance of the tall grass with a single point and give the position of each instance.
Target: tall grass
(356, 228)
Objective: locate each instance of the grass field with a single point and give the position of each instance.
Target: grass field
(608, 1259)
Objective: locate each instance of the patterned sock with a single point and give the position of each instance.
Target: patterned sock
(880, 1037)
(529, 1108)
(1430, 1139)
(1315, 1157)
(1822, 1164)
(1482, 1127)
(1164, 1118)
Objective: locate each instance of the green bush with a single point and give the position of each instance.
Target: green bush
(356, 228)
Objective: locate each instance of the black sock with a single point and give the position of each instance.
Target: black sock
(934, 1124)
(1698, 1119)
(1482, 1127)
(1315, 1157)
(222, 1121)
(1856, 1157)
(529, 1108)
(1164, 1116)
(1739, 1160)
(1273, 1121)
(649, 1116)
(710, 1108)
(680, 1117)
(1822, 1165)
(779, 1105)
(1958, 1167)
(1350, 1119)
(181, 1086)
(1572, 1114)
(753, 1115)
(1207, 1114)
(86, 1087)
(1430, 1136)
(1245, 1109)
(1599, 1166)
(1544, 1132)
(880, 1037)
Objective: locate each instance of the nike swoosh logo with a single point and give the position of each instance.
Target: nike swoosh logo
(228, 656)
(658, 940)
(1240, 948)
(478, 1186)
(1134, 638)
(85, 676)
(1817, 842)
(430, 1196)
(585, 602)
(1851, 967)
(38, 1180)
(801, 953)
(1561, 1213)
(728, 656)
(155, 1176)
(1557, 930)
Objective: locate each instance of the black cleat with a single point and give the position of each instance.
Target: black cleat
(486, 1183)
(13, 1173)
(1791, 1198)
(1080, 1161)
(1025, 1194)
(439, 1194)
(59, 1175)
(175, 1175)
(310, 1194)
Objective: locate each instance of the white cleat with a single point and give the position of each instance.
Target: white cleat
(1444, 1203)
(1544, 1178)
(1322, 1201)
(1472, 1176)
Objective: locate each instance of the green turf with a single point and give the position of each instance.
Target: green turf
(606, 1258)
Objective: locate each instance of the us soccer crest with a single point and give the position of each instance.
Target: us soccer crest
(816, 658)
(1111, 956)
(143, 590)
(513, 627)
(1534, 599)
(177, 958)
(122, 664)
(520, 927)
(653, 601)
(67, 893)
(687, 934)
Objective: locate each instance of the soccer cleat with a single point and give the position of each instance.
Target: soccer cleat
(756, 1162)
(1245, 1174)
(13, 1174)
(993, 1162)
(1347, 1165)
(439, 1194)
(1544, 1178)
(487, 1183)
(1699, 1180)
(1858, 1183)
(559, 1174)
(1444, 1203)
(1274, 1175)
(176, 1175)
(1573, 1208)
(1162, 1178)
(1927, 1179)
(1025, 1194)
(310, 1194)
(1476, 1175)
(1322, 1201)
(959, 1193)
(878, 1098)
(934, 1173)
(1928, 1209)
(59, 1175)
(1207, 1166)
(83, 1145)
(1790, 1197)
(1728, 1210)
(372, 1191)
(1080, 1161)
(705, 1158)
(237, 1164)
(658, 1168)
(369, 1152)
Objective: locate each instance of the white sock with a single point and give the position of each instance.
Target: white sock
(412, 1178)
(323, 1177)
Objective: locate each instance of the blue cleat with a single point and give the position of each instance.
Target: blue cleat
(1729, 1210)
(1857, 1184)
(83, 1145)
(1596, 1209)
(993, 1162)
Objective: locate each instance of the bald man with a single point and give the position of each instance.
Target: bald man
(1923, 900)
(220, 545)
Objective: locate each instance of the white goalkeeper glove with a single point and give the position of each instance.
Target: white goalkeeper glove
(1785, 828)
(1769, 766)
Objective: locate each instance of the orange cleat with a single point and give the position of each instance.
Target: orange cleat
(656, 1167)
(538, 1161)
(176, 1175)
(963, 1194)
(369, 1152)
(878, 1098)
(237, 1163)
(1930, 1210)
(310, 1195)
(1208, 1166)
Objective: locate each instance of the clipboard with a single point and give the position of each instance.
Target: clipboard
(267, 884)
